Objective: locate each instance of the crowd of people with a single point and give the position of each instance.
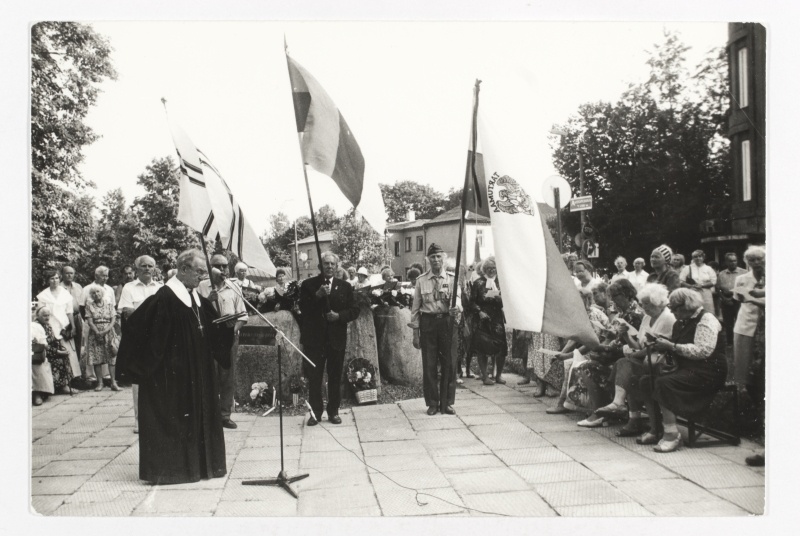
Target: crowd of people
(663, 335)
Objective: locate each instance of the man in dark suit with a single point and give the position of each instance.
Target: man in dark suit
(327, 305)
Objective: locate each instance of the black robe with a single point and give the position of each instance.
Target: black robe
(180, 427)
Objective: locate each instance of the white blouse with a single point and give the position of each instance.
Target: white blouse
(60, 307)
(662, 326)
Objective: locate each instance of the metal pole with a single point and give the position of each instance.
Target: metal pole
(583, 212)
(557, 203)
(296, 256)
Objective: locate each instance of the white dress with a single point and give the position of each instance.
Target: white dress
(41, 375)
(702, 275)
(60, 306)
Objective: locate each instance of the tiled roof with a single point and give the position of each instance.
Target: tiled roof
(324, 236)
(403, 225)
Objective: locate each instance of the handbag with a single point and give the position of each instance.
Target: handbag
(37, 353)
(486, 342)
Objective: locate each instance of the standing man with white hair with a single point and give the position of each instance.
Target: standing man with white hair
(638, 277)
(327, 305)
(170, 347)
(131, 297)
(621, 263)
(245, 284)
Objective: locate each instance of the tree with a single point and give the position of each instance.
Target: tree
(281, 237)
(115, 244)
(159, 232)
(68, 63)
(357, 243)
(409, 195)
(656, 162)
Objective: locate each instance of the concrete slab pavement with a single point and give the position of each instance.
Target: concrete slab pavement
(500, 455)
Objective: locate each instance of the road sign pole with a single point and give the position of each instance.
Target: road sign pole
(580, 169)
(557, 200)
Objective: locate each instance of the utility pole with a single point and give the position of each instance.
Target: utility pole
(296, 256)
(580, 169)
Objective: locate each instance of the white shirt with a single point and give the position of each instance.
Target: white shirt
(246, 283)
(638, 280)
(60, 307)
(135, 292)
(623, 275)
(662, 326)
(110, 296)
(229, 301)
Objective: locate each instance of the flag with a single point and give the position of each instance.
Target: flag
(207, 205)
(474, 193)
(539, 294)
(328, 145)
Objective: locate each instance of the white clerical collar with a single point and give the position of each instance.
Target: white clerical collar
(180, 290)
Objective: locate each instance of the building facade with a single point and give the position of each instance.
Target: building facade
(308, 251)
(409, 241)
(747, 63)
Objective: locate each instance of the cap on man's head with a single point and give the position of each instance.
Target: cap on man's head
(363, 271)
(434, 248)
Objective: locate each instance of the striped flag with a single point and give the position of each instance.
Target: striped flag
(328, 145)
(207, 205)
(540, 294)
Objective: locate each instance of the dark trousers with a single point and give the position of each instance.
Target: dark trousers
(225, 382)
(333, 360)
(435, 337)
(729, 312)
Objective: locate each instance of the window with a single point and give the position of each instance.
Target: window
(419, 243)
(742, 82)
(408, 244)
(747, 194)
(479, 236)
(397, 249)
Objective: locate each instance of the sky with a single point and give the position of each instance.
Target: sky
(405, 89)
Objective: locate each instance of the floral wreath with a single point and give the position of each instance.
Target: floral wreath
(361, 374)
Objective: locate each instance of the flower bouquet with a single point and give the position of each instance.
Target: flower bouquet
(262, 394)
(362, 379)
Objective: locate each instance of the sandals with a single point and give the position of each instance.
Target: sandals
(612, 410)
(648, 438)
(668, 446)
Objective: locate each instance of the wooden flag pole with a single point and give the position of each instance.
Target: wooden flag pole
(470, 175)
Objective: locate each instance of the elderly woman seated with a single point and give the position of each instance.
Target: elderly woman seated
(390, 292)
(639, 358)
(283, 296)
(695, 367)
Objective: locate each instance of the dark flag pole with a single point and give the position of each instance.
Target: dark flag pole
(470, 175)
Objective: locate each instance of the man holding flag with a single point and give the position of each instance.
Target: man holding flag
(432, 319)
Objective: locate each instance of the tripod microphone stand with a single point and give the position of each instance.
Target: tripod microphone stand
(282, 480)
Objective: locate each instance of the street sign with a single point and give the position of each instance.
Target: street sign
(581, 203)
(564, 191)
(592, 249)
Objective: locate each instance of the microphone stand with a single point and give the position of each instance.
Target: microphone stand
(282, 480)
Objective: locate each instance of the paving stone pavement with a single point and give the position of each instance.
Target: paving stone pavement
(501, 455)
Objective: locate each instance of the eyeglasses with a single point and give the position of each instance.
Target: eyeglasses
(219, 265)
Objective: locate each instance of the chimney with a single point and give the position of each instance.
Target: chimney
(411, 216)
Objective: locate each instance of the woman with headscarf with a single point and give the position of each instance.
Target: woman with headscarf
(663, 274)
(59, 302)
(487, 306)
(57, 358)
(700, 277)
(41, 373)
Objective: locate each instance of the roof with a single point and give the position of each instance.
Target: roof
(454, 214)
(404, 225)
(324, 236)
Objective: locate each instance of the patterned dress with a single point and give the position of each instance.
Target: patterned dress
(59, 363)
(101, 349)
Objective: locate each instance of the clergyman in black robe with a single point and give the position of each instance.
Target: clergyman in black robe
(169, 349)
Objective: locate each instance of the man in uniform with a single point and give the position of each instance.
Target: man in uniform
(131, 297)
(327, 305)
(433, 319)
(227, 302)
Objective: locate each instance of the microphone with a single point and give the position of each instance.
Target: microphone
(217, 272)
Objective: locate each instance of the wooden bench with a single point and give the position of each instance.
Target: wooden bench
(696, 429)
